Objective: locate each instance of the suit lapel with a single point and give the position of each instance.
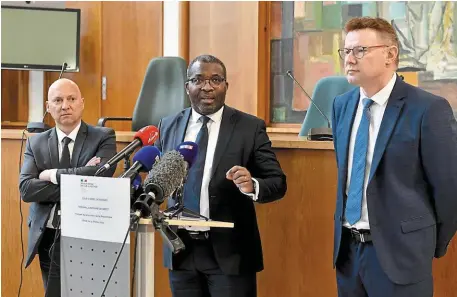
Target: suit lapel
(181, 125)
(53, 148)
(348, 121)
(225, 134)
(389, 120)
(79, 142)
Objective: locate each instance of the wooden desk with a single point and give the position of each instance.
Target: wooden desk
(297, 231)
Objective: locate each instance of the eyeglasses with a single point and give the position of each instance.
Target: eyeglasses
(358, 51)
(214, 81)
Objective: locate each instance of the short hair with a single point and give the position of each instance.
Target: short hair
(380, 25)
(206, 59)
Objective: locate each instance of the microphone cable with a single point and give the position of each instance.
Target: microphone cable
(21, 218)
(51, 253)
(134, 221)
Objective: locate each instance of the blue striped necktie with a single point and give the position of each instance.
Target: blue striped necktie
(353, 209)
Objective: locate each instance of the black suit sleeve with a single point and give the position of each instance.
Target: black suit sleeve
(106, 150)
(31, 187)
(264, 167)
(439, 159)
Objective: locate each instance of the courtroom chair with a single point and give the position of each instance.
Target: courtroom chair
(162, 93)
(324, 92)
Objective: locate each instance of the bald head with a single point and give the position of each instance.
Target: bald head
(65, 104)
(63, 84)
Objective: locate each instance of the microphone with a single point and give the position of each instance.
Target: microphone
(64, 66)
(143, 161)
(143, 137)
(320, 133)
(165, 176)
(136, 189)
(144, 207)
(189, 151)
(37, 127)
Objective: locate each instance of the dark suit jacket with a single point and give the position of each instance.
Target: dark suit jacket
(242, 141)
(42, 153)
(412, 188)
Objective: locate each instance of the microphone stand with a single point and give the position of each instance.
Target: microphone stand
(319, 133)
(126, 163)
(179, 208)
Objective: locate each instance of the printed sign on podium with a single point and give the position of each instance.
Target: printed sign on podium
(95, 217)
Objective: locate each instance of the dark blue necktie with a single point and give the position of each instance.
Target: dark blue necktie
(353, 210)
(193, 185)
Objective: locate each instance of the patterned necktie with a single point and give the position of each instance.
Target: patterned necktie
(353, 209)
(63, 164)
(193, 185)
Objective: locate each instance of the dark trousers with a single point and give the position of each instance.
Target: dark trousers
(359, 274)
(197, 274)
(50, 273)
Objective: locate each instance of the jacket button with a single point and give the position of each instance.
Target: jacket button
(41, 229)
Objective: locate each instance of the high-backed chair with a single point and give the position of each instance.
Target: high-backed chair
(324, 92)
(162, 93)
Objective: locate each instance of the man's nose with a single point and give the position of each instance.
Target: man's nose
(65, 104)
(350, 59)
(207, 86)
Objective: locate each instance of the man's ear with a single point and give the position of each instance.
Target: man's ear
(392, 54)
(186, 85)
(47, 106)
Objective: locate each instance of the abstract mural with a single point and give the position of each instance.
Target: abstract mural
(305, 37)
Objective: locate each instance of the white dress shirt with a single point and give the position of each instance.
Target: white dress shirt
(214, 125)
(60, 136)
(377, 112)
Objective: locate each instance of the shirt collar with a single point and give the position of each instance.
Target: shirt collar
(61, 135)
(215, 117)
(383, 95)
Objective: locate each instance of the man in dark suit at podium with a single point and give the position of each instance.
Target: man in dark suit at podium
(396, 150)
(72, 147)
(235, 167)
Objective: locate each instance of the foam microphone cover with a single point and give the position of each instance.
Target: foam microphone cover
(189, 151)
(147, 135)
(166, 176)
(147, 156)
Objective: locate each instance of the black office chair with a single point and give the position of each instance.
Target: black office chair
(162, 93)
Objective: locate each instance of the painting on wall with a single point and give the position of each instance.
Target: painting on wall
(308, 35)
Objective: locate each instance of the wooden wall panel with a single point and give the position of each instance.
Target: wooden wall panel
(32, 284)
(229, 31)
(89, 76)
(15, 96)
(130, 40)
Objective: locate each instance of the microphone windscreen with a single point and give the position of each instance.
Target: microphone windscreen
(148, 135)
(189, 151)
(167, 174)
(136, 183)
(147, 156)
